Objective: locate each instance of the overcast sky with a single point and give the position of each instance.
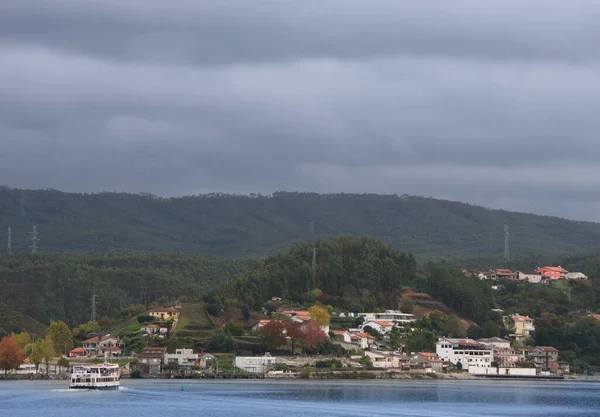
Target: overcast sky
(490, 102)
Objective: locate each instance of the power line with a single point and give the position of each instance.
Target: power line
(506, 248)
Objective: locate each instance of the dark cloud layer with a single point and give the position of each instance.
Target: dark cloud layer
(490, 102)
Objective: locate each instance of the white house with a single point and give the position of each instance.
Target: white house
(575, 275)
(392, 316)
(364, 340)
(382, 327)
(380, 359)
(255, 364)
(468, 352)
(182, 357)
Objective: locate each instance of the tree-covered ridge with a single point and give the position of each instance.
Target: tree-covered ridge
(353, 273)
(60, 286)
(239, 226)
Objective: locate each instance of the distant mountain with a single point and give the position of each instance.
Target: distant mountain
(241, 226)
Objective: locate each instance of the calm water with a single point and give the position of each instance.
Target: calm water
(321, 398)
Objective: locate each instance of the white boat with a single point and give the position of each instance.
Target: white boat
(103, 377)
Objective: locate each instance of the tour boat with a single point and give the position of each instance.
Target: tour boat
(103, 377)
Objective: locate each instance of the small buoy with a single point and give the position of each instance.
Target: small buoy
(182, 388)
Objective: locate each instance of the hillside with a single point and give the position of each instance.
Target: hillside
(241, 226)
(59, 286)
(13, 321)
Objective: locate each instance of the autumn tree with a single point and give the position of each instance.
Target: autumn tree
(61, 335)
(294, 331)
(11, 357)
(105, 322)
(320, 315)
(272, 334)
(313, 335)
(22, 340)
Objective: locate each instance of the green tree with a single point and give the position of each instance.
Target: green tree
(63, 363)
(366, 361)
(61, 335)
(22, 340)
(234, 329)
(45, 350)
(421, 340)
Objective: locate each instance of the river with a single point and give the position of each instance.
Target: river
(165, 398)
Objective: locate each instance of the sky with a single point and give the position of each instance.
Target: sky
(493, 103)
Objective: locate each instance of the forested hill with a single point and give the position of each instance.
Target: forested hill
(239, 226)
(60, 286)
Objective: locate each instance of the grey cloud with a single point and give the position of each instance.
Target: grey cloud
(213, 32)
(492, 103)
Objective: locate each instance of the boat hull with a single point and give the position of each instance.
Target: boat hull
(106, 388)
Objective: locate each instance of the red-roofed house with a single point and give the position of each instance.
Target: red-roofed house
(502, 274)
(364, 340)
(382, 327)
(262, 323)
(544, 357)
(594, 316)
(552, 272)
(77, 352)
(164, 314)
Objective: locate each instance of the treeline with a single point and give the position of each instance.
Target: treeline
(352, 273)
(467, 295)
(243, 226)
(60, 286)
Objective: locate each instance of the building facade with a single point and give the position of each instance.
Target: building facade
(468, 352)
(255, 364)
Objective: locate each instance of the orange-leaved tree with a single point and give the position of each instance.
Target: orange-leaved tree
(313, 335)
(294, 331)
(11, 357)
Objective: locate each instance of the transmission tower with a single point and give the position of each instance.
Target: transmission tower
(34, 240)
(94, 307)
(506, 247)
(9, 241)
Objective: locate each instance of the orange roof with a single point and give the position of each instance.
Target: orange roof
(364, 335)
(78, 350)
(554, 268)
(340, 332)
(165, 310)
(522, 318)
(547, 348)
(428, 354)
(296, 312)
(94, 339)
(504, 272)
(382, 323)
(594, 316)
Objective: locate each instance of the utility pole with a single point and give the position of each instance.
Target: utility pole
(9, 242)
(506, 247)
(34, 240)
(314, 262)
(94, 307)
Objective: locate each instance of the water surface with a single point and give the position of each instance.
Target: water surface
(164, 398)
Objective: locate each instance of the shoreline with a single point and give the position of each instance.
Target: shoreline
(345, 376)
